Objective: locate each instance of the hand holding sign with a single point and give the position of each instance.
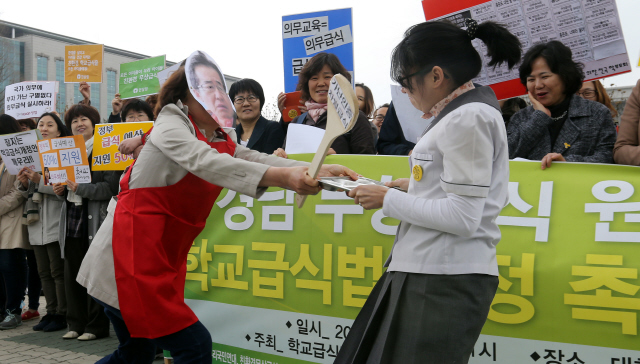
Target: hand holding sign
(342, 113)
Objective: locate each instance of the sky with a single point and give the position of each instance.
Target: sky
(244, 37)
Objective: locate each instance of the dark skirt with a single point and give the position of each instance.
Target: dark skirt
(414, 318)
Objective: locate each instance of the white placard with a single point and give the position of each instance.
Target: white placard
(303, 139)
(59, 176)
(410, 118)
(304, 27)
(340, 102)
(20, 150)
(82, 174)
(164, 75)
(327, 40)
(44, 146)
(30, 99)
(70, 157)
(50, 160)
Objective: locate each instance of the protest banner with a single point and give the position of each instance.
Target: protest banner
(280, 284)
(106, 140)
(30, 99)
(304, 35)
(140, 78)
(83, 63)
(591, 28)
(164, 75)
(20, 150)
(64, 159)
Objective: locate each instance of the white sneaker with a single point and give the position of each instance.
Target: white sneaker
(87, 336)
(70, 335)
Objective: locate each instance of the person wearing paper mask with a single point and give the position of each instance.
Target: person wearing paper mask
(442, 273)
(210, 89)
(136, 266)
(81, 216)
(313, 84)
(559, 125)
(44, 231)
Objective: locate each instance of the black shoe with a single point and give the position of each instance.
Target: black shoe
(46, 320)
(58, 323)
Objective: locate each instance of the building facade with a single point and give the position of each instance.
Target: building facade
(29, 54)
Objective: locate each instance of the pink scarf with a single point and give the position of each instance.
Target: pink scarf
(315, 110)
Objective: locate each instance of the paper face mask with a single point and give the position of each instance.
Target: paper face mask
(207, 85)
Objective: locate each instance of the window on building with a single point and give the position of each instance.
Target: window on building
(61, 102)
(111, 89)
(77, 96)
(42, 68)
(95, 95)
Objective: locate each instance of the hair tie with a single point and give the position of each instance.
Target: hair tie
(472, 27)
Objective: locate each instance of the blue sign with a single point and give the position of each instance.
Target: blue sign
(305, 35)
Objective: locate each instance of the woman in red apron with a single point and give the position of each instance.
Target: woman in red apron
(136, 265)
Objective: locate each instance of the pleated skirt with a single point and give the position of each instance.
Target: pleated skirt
(414, 318)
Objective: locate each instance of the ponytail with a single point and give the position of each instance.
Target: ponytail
(502, 46)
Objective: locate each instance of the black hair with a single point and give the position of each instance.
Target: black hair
(443, 44)
(9, 125)
(560, 61)
(201, 59)
(314, 66)
(136, 105)
(28, 122)
(247, 85)
(61, 127)
(78, 110)
(369, 104)
(386, 104)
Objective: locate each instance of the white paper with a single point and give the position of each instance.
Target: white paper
(44, 146)
(82, 174)
(303, 139)
(70, 157)
(410, 118)
(167, 72)
(59, 176)
(63, 143)
(50, 160)
(30, 99)
(304, 27)
(20, 150)
(327, 40)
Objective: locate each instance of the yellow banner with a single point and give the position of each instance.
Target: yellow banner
(83, 63)
(107, 139)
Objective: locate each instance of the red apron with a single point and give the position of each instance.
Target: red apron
(153, 230)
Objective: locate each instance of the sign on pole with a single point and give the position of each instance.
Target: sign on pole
(20, 150)
(30, 99)
(107, 139)
(140, 78)
(83, 63)
(64, 159)
(304, 35)
(591, 28)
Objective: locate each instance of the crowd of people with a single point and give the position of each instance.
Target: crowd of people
(77, 242)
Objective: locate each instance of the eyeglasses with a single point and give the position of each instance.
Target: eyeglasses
(587, 93)
(403, 80)
(131, 117)
(210, 88)
(240, 100)
(379, 117)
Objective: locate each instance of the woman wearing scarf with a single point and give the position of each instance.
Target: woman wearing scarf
(313, 84)
(81, 217)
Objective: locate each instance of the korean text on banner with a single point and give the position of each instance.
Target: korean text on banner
(140, 78)
(83, 63)
(30, 99)
(107, 139)
(590, 28)
(304, 35)
(64, 159)
(20, 150)
(568, 261)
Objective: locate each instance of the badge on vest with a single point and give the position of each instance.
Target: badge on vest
(417, 172)
(566, 145)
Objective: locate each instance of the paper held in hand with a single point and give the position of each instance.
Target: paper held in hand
(64, 159)
(342, 112)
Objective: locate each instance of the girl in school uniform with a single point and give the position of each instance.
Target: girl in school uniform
(442, 274)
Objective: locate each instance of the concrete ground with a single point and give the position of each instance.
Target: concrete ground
(25, 346)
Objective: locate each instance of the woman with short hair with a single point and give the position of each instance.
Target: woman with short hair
(442, 274)
(559, 125)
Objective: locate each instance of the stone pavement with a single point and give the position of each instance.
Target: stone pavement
(25, 346)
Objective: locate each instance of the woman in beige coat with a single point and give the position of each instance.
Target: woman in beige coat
(13, 239)
(627, 148)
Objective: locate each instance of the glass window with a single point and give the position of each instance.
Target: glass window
(42, 68)
(111, 89)
(61, 100)
(95, 95)
(77, 96)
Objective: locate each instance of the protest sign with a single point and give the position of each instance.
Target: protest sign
(409, 117)
(164, 75)
(30, 99)
(107, 139)
(64, 159)
(20, 150)
(304, 35)
(140, 78)
(280, 284)
(591, 28)
(83, 63)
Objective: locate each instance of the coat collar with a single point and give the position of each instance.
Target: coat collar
(258, 130)
(570, 132)
(579, 107)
